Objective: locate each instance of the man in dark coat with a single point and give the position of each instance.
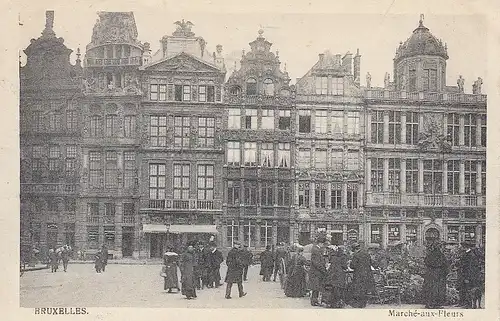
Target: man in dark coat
(198, 255)
(434, 287)
(317, 271)
(65, 257)
(363, 281)
(187, 266)
(279, 255)
(215, 259)
(234, 273)
(205, 269)
(336, 277)
(247, 261)
(54, 260)
(266, 264)
(470, 273)
(104, 257)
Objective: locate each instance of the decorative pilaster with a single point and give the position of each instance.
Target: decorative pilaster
(402, 186)
(386, 127)
(386, 175)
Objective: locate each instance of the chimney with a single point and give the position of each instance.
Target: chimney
(321, 58)
(48, 32)
(218, 59)
(146, 54)
(357, 68)
(338, 59)
(347, 63)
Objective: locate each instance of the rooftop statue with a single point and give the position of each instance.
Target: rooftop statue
(183, 29)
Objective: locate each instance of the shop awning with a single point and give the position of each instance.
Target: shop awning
(155, 228)
(177, 229)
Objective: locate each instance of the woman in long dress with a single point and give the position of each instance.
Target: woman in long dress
(295, 286)
(434, 287)
(169, 271)
(188, 262)
(336, 277)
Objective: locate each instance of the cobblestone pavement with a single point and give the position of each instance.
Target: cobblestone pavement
(142, 286)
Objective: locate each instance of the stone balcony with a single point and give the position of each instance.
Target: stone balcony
(318, 99)
(128, 61)
(258, 100)
(49, 188)
(181, 205)
(423, 200)
(449, 98)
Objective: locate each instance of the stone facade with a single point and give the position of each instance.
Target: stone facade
(147, 151)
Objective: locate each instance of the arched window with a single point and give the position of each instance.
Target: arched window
(251, 87)
(235, 90)
(268, 87)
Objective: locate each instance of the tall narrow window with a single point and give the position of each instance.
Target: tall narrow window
(37, 163)
(284, 155)
(377, 174)
(153, 92)
(267, 193)
(320, 195)
(111, 125)
(320, 120)
(304, 194)
(321, 85)
(157, 181)
(411, 175)
(233, 192)
(470, 177)
(376, 233)
(163, 92)
(129, 126)
(337, 86)
(266, 233)
(251, 118)
(111, 173)
(251, 87)
(95, 169)
(233, 153)
(336, 196)
(483, 130)
(352, 160)
(250, 154)
(433, 176)
(470, 127)
(412, 85)
(429, 80)
(352, 196)
(202, 93)
(95, 126)
(234, 118)
(71, 120)
(186, 93)
(70, 161)
(377, 124)
(284, 120)
(483, 177)
(206, 131)
(211, 94)
(338, 122)
(37, 121)
(284, 194)
(304, 121)
(181, 131)
(205, 182)
(267, 155)
(129, 169)
(411, 128)
(178, 93)
(394, 174)
(304, 160)
(267, 119)
(251, 192)
(54, 122)
(394, 127)
(320, 159)
(181, 181)
(232, 232)
(353, 123)
(454, 176)
(454, 129)
(249, 235)
(268, 87)
(158, 131)
(336, 160)
(54, 163)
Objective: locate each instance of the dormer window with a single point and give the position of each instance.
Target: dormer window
(251, 87)
(429, 80)
(268, 87)
(321, 85)
(337, 86)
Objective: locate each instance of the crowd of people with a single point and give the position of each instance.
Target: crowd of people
(57, 255)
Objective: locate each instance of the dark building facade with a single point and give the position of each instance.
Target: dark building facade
(49, 142)
(145, 152)
(259, 144)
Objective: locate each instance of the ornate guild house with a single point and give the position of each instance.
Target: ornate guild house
(146, 151)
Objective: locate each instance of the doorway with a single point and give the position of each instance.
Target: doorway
(337, 238)
(156, 245)
(432, 235)
(127, 242)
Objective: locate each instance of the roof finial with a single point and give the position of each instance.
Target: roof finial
(49, 24)
(421, 22)
(78, 54)
(285, 67)
(235, 66)
(261, 31)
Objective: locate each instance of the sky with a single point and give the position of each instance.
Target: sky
(299, 37)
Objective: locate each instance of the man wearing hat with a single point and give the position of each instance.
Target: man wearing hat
(470, 277)
(214, 260)
(363, 281)
(235, 264)
(317, 273)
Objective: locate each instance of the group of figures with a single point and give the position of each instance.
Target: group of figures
(199, 266)
(57, 255)
(101, 259)
(336, 276)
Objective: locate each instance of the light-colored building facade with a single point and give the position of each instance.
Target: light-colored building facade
(425, 151)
